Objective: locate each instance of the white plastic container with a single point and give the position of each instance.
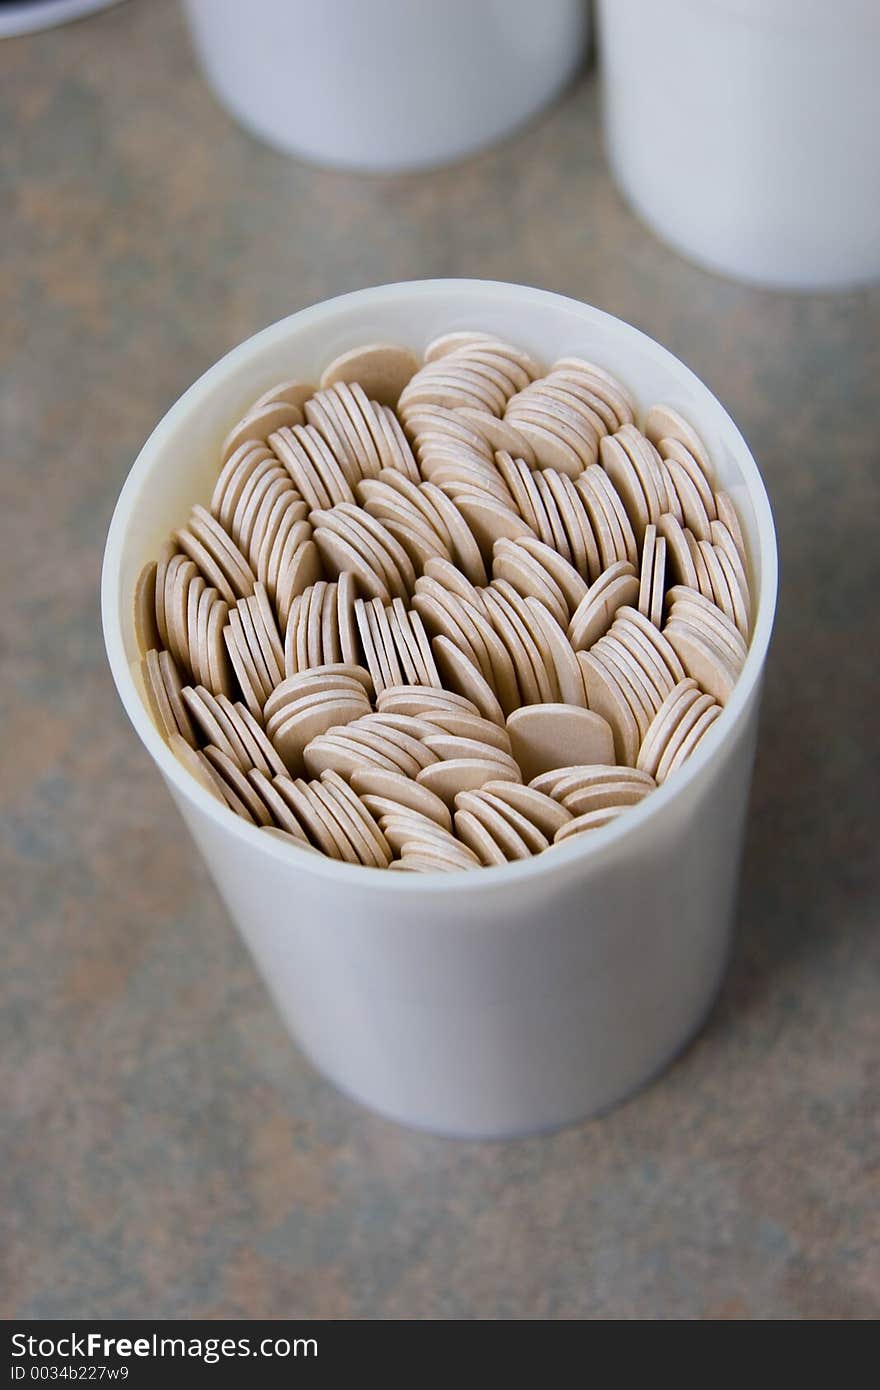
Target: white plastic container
(745, 132)
(506, 1000)
(386, 84)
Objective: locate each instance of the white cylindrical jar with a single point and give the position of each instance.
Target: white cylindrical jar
(386, 84)
(745, 132)
(516, 998)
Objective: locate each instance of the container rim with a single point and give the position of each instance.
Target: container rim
(583, 848)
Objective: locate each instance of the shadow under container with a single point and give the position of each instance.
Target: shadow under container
(505, 1000)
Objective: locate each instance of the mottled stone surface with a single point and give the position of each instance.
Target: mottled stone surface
(165, 1152)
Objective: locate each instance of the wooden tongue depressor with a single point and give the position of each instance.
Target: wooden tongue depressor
(259, 423)
(145, 624)
(567, 578)
(492, 805)
(380, 369)
(669, 448)
(715, 627)
(680, 698)
(648, 467)
(197, 765)
(529, 578)
(558, 653)
(612, 792)
(662, 422)
(614, 589)
(419, 700)
(537, 807)
(473, 833)
(464, 725)
(339, 677)
(592, 820)
(503, 825)
(605, 696)
(619, 468)
(697, 715)
(727, 515)
(157, 695)
(561, 782)
(309, 717)
(646, 574)
(446, 779)
(403, 791)
(696, 518)
(702, 658)
(446, 746)
(460, 672)
(551, 736)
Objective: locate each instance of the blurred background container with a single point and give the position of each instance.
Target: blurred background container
(27, 16)
(390, 84)
(745, 132)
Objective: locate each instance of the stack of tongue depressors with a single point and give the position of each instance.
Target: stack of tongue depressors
(446, 614)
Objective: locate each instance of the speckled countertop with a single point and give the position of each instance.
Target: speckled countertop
(165, 1151)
